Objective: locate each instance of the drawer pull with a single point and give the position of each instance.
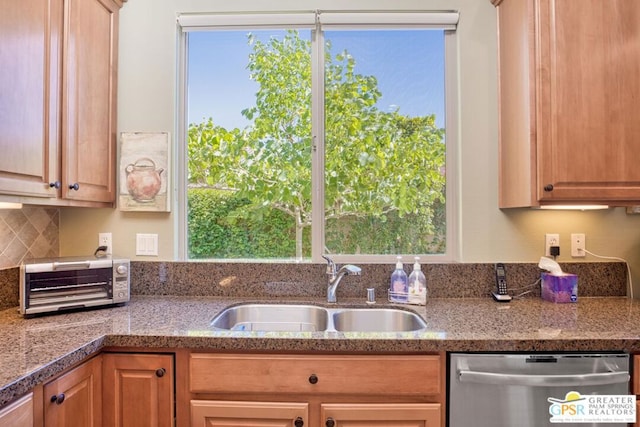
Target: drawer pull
(298, 422)
(313, 379)
(55, 184)
(330, 422)
(57, 398)
(75, 186)
(160, 372)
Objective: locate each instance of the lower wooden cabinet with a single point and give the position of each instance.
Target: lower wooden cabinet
(75, 398)
(111, 390)
(324, 390)
(389, 414)
(210, 413)
(19, 413)
(214, 413)
(117, 389)
(138, 389)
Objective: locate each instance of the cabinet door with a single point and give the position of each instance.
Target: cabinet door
(19, 413)
(89, 100)
(211, 413)
(30, 34)
(138, 390)
(589, 98)
(75, 399)
(569, 96)
(376, 414)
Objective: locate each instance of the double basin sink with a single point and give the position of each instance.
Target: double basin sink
(311, 318)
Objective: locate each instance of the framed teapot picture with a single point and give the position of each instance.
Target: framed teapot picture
(144, 172)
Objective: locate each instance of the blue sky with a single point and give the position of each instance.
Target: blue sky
(409, 66)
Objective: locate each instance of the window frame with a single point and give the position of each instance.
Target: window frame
(445, 20)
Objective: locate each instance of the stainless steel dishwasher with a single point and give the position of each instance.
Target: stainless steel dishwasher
(509, 390)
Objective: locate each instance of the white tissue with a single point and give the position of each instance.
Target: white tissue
(550, 265)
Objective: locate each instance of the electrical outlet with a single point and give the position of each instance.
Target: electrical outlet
(104, 239)
(550, 240)
(578, 245)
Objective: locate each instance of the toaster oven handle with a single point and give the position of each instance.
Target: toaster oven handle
(71, 265)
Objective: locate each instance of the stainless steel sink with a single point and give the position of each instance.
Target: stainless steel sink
(377, 320)
(272, 317)
(310, 318)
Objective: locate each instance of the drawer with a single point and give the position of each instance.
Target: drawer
(365, 375)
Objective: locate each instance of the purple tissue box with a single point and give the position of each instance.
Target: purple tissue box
(559, 289)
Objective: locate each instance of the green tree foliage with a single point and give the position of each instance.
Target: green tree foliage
(213, 235)
(379, 165)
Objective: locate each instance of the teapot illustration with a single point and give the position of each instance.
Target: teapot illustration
(143, 180)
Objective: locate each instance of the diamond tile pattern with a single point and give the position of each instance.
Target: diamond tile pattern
(30, 232)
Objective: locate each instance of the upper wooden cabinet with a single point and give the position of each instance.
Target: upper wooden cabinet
(89, 100)
(30, 42)
(569, 94)
(58, 103)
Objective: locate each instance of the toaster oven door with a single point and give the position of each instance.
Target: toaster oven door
(66, 289)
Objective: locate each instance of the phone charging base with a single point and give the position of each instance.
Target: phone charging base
(501, 297)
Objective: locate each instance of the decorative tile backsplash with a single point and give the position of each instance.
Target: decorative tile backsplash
(30, 232)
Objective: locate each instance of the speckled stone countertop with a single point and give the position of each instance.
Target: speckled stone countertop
(34, 350)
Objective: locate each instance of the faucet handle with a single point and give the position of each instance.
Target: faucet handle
(331, 266)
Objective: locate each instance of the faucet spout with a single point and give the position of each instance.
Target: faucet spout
(335, 277)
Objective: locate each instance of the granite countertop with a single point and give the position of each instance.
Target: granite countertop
(34, 350)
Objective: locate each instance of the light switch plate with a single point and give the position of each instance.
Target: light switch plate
(147, 244)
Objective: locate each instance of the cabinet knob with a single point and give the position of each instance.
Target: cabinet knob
(330, 422)
(160, 372)
(75, 186)
(57, 398)
(313, 379)
(55, 185)
(548, 187)
(298, 422)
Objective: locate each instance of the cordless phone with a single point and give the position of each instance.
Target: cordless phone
(501, 284)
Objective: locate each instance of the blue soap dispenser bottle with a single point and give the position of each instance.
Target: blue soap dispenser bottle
(398, 288)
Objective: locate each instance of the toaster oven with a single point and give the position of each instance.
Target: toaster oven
(60, 284)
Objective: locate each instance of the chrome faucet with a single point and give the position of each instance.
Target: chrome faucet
(335, 276)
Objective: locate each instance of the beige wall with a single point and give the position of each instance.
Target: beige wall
(146, 91)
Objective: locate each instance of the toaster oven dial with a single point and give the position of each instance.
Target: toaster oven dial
(121, 269)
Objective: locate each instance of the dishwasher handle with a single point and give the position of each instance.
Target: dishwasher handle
(466, 376)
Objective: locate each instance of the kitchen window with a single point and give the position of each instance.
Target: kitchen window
(324, 133)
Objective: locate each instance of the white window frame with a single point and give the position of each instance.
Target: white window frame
(330, 20)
